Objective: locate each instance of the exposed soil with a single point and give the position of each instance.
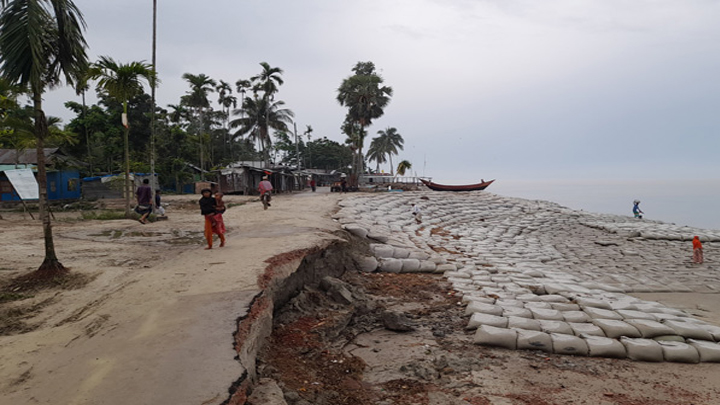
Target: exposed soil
(326, 352)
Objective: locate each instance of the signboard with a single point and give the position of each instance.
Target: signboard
(24, 183)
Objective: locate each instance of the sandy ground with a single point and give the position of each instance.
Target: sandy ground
(155, 325)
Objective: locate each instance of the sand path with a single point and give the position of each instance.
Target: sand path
(156, 325)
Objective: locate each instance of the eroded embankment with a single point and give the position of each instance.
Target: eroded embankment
(285, 275)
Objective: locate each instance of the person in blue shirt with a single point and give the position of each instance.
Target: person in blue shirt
(636, 209)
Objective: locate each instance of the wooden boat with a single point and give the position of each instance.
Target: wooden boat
(466, 187)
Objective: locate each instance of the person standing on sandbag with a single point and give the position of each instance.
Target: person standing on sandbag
(697, 251)
(417, 213)
(636, 209)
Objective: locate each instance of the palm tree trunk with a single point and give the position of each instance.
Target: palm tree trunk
(127, 164)
(392, 172)
(51, 266)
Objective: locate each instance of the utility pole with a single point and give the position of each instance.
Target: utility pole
(153, 85)
(297, 148)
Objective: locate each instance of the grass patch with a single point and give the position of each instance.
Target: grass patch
(236, 204)
(103, 215)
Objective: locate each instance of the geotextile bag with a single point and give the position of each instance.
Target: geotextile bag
(533, 340)
(689, 330)
(650, 329)
(599, 346)
(498, 337)
(523, 323)
(478, 318)
(568, 344)
(586, 329)
(615, 329)
(555, 327)
(643, 349)
(679, 352)
(709, 352)
(476, 306)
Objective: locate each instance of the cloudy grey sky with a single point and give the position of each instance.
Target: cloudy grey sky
(511, 89)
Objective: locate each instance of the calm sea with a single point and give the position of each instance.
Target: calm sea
(694, 203)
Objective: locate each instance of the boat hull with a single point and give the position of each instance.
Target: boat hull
(466, 187)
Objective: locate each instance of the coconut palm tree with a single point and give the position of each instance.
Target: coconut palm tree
(390, 142)
(377, 152)
(121, 82)
(403, 166)
(365, 97)
(42, 42)
(257, 116)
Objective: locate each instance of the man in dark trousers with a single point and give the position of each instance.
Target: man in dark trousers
(144, 201)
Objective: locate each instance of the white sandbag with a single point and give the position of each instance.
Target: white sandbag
(505, 303)
(446, 267)
(401, 253)
(422, 256)
(356, 230)
(523, 323)
(575, 316)
(679, 352)
(586, 329)
(383, 251)
(599, 313)
(650, 329)
(426, 266)
(528, 298)
(553, 298)
(548, 314)
(548, 326)
(669, 338)
(538, 304)
(560, 306)
(457, 274)
(568, 344)
(714, 330)
(689, 330)
(487, 300)
(599, 346)
(593, 303)
(390, 265)
(476, 306)
(642, 349)
(498, 337)
(478, 318)
(367, 264)
(533, 340)
(615, 329)
(410, 265)
(709, 352)
(631, 314)
(520, 312)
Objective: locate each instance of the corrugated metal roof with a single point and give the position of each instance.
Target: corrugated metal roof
(28, 156)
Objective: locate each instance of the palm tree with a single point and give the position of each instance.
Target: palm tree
(41, 42)
(403, 166)
(377, 152)
(226, 100)
(122, 82)
(268, 80)
(197, 100)
(390, 141)
(365, 98)
(257, 116)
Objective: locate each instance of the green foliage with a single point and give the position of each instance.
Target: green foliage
(103, 215)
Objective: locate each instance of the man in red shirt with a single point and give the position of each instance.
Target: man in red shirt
(265, 187)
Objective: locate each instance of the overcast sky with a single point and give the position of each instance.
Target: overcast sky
(511, 89)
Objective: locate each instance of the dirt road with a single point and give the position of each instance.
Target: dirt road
(155, 325)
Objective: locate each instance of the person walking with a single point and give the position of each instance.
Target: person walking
(697, 251)
(265, 187)
(417, 213)
(636, 209)
(144, 201)
(208, 207)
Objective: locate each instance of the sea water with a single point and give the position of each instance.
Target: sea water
(693, 203)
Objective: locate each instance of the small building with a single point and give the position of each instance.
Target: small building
(63, 177)
(113, 185)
